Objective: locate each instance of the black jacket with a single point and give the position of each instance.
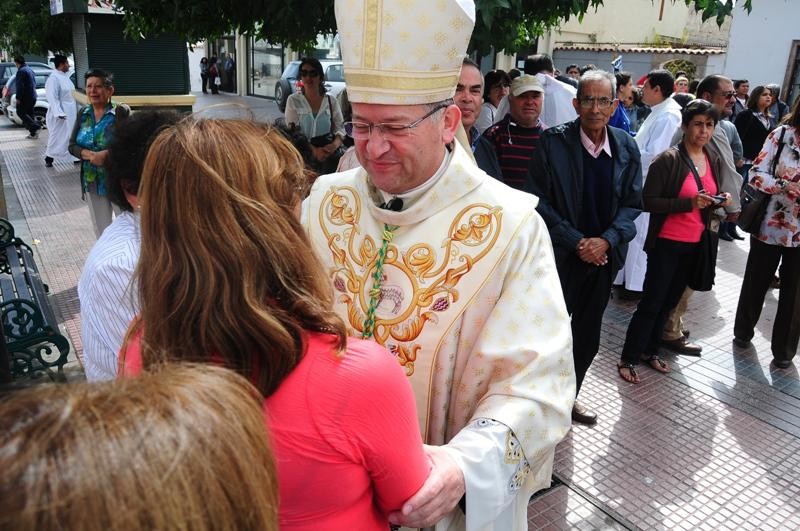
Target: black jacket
(486, 158)
(752, 132)
(557, 176)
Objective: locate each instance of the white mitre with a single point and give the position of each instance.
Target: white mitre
(403, 52)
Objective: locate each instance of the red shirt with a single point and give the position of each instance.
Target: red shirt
(688, 226)
(345, 436)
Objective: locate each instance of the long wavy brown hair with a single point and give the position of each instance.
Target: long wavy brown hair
(182, 448)
(226, 271)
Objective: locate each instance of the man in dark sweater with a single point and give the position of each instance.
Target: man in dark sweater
(26, 96)
(469, 98)
(516, 136)
(588, 177)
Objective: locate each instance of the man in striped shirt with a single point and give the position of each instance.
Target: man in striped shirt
(516, 136)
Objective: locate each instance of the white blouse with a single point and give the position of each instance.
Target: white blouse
(298, 112)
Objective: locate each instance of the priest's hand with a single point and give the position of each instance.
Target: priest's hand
(438, 495)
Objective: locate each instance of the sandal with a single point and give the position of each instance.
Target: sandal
(632, 377)
(657, 363)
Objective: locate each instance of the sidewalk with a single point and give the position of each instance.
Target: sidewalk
(713, 445)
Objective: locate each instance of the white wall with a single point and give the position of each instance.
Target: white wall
(760, 43)
(194, 64)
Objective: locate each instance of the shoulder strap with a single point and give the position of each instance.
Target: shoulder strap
(689, 163)
(330, 112)
(778, 154)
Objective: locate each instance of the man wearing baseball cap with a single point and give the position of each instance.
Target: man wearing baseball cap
(449, 269)
(516, 136)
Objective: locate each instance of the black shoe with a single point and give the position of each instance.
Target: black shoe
(48, 162)
(781, 364)
(733, 233)
(723, 235)
(742, 343)
(33, 134)
(582, 415)
(682, 346)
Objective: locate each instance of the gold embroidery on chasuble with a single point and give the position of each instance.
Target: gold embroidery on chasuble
(420, 289)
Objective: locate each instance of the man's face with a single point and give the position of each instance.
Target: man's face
(526, 108)
(723, 98)
(64, 67)
(743, 90)
(574, 73)
(596, 105)
(626, 90)
(397, 163)
(469, 93)
(651, 95)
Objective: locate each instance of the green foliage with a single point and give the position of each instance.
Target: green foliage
(27, 26)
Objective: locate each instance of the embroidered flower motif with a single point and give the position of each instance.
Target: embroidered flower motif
(338, 283)
(440, 304)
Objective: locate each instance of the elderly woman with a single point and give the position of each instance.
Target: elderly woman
(775, 171)
(495, 87)
(681, 187)
(238, 287)
(319, 116)
(89, 142)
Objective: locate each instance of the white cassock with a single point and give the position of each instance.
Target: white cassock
(654, 137)
(60, 115)
(557, 107)
(470, 305)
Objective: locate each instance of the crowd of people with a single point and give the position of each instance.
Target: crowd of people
(412, 332)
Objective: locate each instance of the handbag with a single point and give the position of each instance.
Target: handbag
(754, 202)
(705, 267)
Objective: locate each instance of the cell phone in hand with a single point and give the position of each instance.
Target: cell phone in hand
(718, 199)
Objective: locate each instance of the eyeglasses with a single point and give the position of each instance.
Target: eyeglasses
(363, 130)
(308, 73)
(729, 95)
(589, 102)
(500, 86)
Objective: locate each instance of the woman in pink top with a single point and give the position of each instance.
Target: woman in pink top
(226, 276)
(679, 212)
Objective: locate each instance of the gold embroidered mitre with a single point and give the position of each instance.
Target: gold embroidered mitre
(403, 52)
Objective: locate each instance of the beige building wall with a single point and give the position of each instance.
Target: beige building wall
(638, 22)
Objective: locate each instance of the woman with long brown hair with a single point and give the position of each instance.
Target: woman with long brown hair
(154, 452)
(227, 276)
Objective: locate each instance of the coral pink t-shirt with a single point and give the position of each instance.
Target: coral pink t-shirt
(345, 436)
(688, 226)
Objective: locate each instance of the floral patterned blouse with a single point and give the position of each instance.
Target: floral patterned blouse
(781, 225)
(95, 136)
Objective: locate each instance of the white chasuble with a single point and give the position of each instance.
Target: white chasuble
(470, 305)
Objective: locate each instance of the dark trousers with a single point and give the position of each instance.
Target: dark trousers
(669, 266)
(586, 289)
(204, 82)
(761, 264)
(25, 113)
(212, 84)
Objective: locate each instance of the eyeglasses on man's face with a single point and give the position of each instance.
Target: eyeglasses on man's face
(389, 131)
(728, 95)
(308, 73)
(588, 102)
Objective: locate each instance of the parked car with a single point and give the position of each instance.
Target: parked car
(290, 83)
(39, 109)
(9, 69)
(10, 88)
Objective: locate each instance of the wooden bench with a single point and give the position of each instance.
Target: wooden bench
(33, 344)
